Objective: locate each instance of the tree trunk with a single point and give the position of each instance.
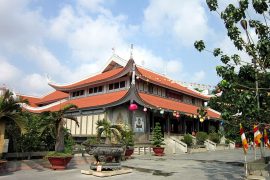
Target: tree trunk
(59, 144)
(2, 136)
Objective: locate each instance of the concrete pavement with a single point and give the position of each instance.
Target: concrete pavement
(226, 164)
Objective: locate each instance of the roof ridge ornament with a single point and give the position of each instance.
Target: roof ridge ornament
(131, 51)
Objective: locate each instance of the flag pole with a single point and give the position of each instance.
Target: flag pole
(254, 151)
(246, 170)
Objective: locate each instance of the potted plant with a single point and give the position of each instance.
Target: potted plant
(158, 140)
(54, 121)
(128, 142)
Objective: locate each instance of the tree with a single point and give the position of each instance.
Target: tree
(109, 130)
(158, 139)
(245, 82)
(54, 122)
(10, 110)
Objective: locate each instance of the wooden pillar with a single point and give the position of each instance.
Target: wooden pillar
(193, 124)
(169, 125)
(185, 126)
(2, 136)
(198, 125)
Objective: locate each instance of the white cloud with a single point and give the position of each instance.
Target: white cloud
(35, 84)
(198, 76)
(8, 72)
(185, 20)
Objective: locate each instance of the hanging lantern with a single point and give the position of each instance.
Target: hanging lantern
(144, 109)
(133, 107)
(162, 111)
(174, 113)
(177, 115)
(201, 119)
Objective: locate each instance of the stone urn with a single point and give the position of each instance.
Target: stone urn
(106, 155)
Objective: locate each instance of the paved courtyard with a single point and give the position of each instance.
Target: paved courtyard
(226, 164)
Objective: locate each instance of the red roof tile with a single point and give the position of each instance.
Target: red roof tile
(163, 103)
(162, 80)
(92, 79)
(87, 102)
(52, 97)
(32, 100)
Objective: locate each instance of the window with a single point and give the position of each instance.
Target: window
(116, 85)
(122, 84)
(100, 88)
(193, 100)
(97, 89)
(78, 93)
(150, 88)
(110, 86)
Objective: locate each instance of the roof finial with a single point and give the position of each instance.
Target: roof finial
(131, 51)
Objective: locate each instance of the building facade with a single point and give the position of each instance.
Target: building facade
(120, 85)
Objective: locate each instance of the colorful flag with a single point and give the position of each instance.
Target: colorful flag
(257, 135)
(243, 138)
(266, 140)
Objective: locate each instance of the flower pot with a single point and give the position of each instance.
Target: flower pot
(159, 151)
(59, 163)
(129, 152)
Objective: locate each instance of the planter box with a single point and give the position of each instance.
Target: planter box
(59, 163)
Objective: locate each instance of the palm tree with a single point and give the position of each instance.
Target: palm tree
(109, 130)
(54, 122)
(10, 110)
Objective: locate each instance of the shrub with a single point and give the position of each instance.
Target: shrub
(212, 129)
(158, 139)
(227, 141)
(187, 139)
(201, 137)
(214, 137)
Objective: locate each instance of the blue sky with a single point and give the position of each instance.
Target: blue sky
(70, 40)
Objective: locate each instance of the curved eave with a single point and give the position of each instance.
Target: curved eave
(170, 105)
(82, 84)
(183, 89)
(94, 102)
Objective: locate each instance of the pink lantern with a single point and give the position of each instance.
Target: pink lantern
(133, 107)
(144, 109)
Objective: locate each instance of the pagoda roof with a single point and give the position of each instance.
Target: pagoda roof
(52, 97)
(31, 99)
(168, 104)
(85, 102)
(165, 81)
(89, 80)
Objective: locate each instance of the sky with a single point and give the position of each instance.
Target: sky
(67, 40)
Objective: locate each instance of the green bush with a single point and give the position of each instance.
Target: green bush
(158, 139)
(187, 139)
(227, 141)
(214, 137)
(201, 137)
(212, 129)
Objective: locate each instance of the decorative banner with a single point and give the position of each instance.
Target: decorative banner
(266, 140)
(139, 124)
(257, 135)
(244, 140)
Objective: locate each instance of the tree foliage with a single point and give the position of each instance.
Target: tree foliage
(157, 139)
(238, 101)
